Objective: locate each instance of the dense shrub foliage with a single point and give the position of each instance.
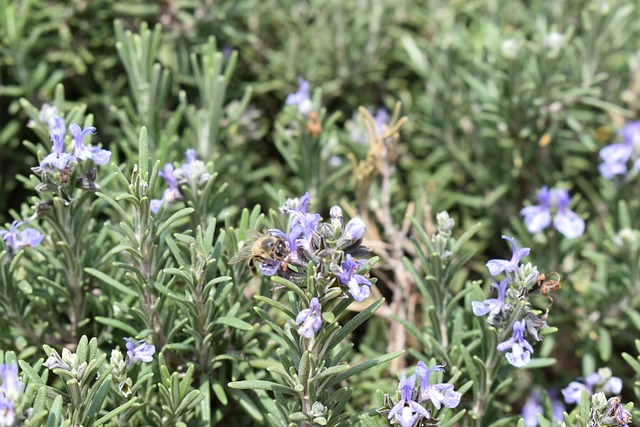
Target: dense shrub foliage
(320, 212)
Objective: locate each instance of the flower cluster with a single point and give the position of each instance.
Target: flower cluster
(15, 240)
(510, 312)
(554, 203)
(193, 173)
(10, 392)
(622, 159)
(414, 402)
(333, 248)
(58, 169)
(602, 381)
(137, 351)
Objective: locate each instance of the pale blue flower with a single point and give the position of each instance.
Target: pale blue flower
(171, 194)
(139, 351)
(354, 230)
(58, 159)
(521, 350)
(494, 305)
(15, 240)
(497, 266)
(566, 221)
(310, 319)
(11, 386)
(617, 156)
(532, 407)
(83, 152)
(303, 223)
(407, 411)
(573, 392)
(7, 414)
(302, 98)
(438, 394)
(192, 171)
(358, 284)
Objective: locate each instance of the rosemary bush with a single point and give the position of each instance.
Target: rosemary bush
(319, 213)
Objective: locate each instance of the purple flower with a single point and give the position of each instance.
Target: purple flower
(14, 240)
(533, 407)
(407, 411)
(521, 350)
(616, 156)
(310, 319)
(138, 351)
(58, 159)
(11, 386)
(538, 217)
(573, 392)
(194, 170)
(7, 415)
(497, 266)
(358, 284)
(437, 393)
(565, 220)
(493, 305)
(302, 98)
(171, 194)
(354, 230)
(82, 152)
(303, 223)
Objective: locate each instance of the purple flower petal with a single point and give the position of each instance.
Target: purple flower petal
(569, 223)
(536, 218)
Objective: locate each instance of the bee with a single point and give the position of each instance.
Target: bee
(546, 285)
(264, 248)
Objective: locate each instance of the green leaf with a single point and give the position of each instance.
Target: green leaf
(466, 236)
(97, 400)
(261, 385)
(117, 324)
(352, 324)
(364, 366)
(112, 414)
(53, 420)
(111, 282)
(233, 322)
(143, 152)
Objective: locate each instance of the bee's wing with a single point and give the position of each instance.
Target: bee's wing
(250, 236)
(241, 255)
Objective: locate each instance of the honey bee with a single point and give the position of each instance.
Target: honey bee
(264, 248)
(546, 285)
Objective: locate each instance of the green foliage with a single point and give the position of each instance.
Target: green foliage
(496, 99)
